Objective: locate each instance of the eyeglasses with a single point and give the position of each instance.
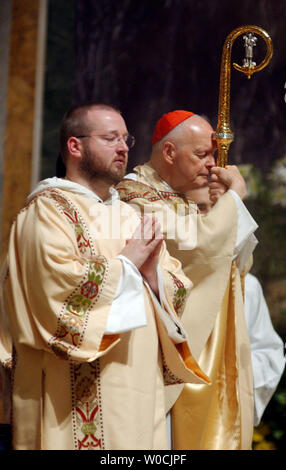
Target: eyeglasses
(112, 140)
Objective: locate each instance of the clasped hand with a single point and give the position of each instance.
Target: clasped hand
(143, 249)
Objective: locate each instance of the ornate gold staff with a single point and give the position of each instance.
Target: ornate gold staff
(224, 135)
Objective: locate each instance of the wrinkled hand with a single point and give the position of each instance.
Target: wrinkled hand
(229, 177)
(143, 249)
(216, 190)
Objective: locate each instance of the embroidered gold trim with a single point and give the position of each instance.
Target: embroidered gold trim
(85, 377)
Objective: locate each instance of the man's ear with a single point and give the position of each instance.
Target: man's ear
(169, 152)
(74, 147)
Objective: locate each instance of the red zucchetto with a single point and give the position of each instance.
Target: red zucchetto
(168, 122)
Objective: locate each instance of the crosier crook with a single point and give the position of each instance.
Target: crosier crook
(224, 135)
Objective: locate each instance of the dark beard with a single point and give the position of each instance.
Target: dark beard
(92, 173)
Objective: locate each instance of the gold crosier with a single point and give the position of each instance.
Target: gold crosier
(224, 135)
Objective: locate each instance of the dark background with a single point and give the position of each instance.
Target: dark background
(148, 57)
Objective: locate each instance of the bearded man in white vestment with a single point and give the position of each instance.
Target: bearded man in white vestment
(90, 331)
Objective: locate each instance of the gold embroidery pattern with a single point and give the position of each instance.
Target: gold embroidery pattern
(87, 418)
(127, 195)
(73, 318)
(72, 321)
(129, 190)
(85, 377)
(169, 377)
(180, 294)
(73, 217)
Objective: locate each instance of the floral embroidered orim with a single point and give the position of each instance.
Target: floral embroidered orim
(72, 322)
(180, 293)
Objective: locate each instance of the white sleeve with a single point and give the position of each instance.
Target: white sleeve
(131, 176)
(246, 226)
(267, 351)
(128, 307)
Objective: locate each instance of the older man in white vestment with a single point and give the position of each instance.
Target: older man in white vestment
(214, 257)
(90, 328)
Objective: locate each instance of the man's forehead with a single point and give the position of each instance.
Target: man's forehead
(203, 141)
(201, 129)
(202, 138)
(105, 119)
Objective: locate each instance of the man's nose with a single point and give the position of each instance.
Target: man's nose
(122, 145)
(210, 161)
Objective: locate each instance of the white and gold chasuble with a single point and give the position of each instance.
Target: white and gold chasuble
(219, 416)
(73, 385)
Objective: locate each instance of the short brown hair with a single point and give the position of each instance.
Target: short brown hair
(74, 123)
